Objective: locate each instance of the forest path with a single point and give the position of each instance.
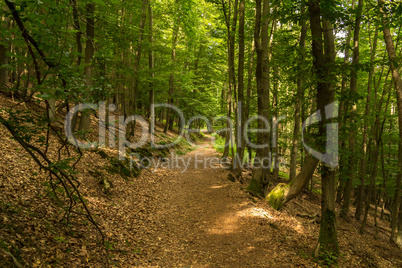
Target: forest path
(204, 220)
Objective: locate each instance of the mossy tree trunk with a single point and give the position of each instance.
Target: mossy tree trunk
(283, 193)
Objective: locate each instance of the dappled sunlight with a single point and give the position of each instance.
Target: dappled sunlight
(218, 186)
(284, 220)
(255, 212)
(227, 224)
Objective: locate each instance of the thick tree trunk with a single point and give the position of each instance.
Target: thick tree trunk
(323, 62)
(261, 170)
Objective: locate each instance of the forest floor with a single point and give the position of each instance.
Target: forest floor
(168, 218)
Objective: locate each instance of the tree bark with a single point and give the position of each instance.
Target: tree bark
(261, 170)
(299, 93)
(249, 90)
(238, 161)
(324, 59)
(231, 29)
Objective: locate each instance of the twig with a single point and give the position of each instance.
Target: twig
(16, 262)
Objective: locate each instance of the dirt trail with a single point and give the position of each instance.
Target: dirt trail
(204, 220)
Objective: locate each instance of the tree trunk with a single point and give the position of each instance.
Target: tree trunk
(352, 133)
(261, 170)
(231, 29)
(283, 193)
(248, 98)
(89, 53)
(275, 130)
(77, 27)
(3, 56)
(398, 88)
(359, 206)
(299, 93)
(323, 62)
(399, 235)
(135, 77)
(151, 69)
(238, 161)
(342, 115)
(171, 78)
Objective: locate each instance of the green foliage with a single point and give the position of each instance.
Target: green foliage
(328, 259)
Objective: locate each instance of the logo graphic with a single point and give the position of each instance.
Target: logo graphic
(330, 157)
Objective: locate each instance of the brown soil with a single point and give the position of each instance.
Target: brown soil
(167, 218)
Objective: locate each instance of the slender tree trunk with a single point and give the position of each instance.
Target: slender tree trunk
(133, 101)
(275, 129)
(78, 29)
(151, 69)
(352, 133)
(249, 90)
(238, 161)
(399, 234)
(231, 30)
(89, 53)
(398, 88)
(3, 55)
(171, 78)
(299, 93)
(343, 108)
(232, 72)
(361, 188)
(78, 41)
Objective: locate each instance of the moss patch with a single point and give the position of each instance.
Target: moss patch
(277, 195)
(254, 188)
